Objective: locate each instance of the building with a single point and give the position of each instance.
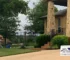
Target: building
(58, 22)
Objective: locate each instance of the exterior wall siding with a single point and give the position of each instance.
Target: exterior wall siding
(63, 23)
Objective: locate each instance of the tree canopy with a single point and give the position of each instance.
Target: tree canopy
(9, 10)
(12, 7)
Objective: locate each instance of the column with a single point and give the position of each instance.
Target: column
(68, 19)
(50, 17)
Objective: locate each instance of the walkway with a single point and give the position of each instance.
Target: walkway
(41, 55)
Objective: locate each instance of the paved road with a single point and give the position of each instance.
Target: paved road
(41, 55)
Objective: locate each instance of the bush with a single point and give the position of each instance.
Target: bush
(59, 40)
(42, 39)
(69, 40)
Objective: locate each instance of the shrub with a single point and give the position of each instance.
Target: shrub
(59, 40)
(42, 39)
(69, 40)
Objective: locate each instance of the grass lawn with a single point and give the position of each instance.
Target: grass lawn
(14, 51)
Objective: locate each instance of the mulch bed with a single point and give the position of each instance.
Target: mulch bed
(45, 49)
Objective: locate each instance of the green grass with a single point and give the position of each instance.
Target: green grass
(14, 51)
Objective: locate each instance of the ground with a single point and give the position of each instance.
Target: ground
(14, 51)
(41, 55)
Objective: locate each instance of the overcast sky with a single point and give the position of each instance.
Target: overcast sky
(23, 18)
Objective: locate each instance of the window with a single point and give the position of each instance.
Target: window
(59, 25)
(59, 22)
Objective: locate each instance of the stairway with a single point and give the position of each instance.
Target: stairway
(45, 46)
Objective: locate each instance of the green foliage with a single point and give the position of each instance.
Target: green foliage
(40, 9)
(12, 7)
(59, 40)
(42, 39)
(30, 40)
(9, 10)
(8, 26)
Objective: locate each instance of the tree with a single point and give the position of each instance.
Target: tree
(8, 26)
(9, 10)
(34, 15)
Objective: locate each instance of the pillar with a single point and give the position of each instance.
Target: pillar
(68, 19)
(50, 17)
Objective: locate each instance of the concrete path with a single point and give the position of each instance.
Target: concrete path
(41, 55)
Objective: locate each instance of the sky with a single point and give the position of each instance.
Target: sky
(23, 18)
